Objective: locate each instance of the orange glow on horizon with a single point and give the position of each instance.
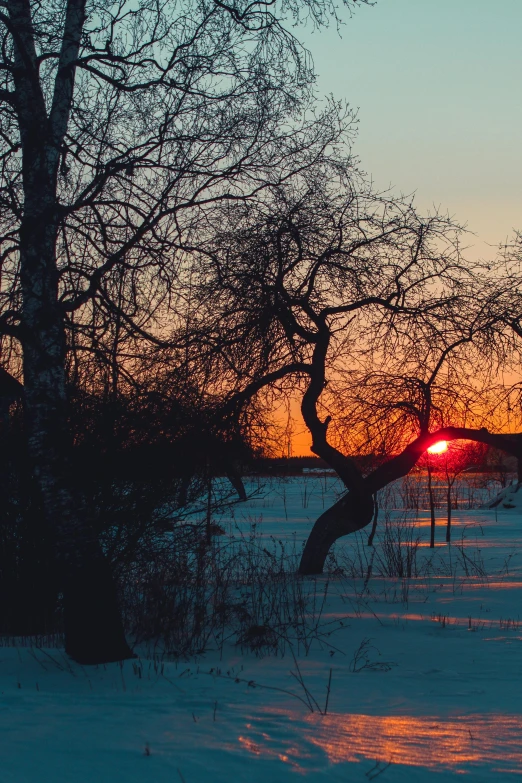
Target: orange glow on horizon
(438, 448)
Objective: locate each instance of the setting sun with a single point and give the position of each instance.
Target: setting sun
(438, 448)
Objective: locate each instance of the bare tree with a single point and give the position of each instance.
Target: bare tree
(121, 125)
(327, 278)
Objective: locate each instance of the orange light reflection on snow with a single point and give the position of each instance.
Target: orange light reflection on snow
(459, 743)
(288, 757)
(423, 741)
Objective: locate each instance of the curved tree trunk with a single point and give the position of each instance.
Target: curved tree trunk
(351, 512)
(355, 509)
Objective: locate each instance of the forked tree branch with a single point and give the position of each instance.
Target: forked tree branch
(401, 464)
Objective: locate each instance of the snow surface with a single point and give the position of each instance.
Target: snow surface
(438, 698)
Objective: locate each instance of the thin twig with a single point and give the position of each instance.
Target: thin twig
(328, 693)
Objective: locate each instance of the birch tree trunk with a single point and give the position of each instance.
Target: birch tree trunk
(93, 626)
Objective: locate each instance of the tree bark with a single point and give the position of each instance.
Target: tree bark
(355, 509)
(93, 626)
(352, 512)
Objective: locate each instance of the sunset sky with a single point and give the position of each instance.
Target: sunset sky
(438, 86)
(439, 92)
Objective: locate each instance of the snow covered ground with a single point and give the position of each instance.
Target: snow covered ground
(421, 679)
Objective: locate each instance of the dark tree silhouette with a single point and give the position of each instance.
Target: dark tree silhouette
(324, 281)
(122, 126)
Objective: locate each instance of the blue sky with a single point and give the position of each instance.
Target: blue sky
(438, 86)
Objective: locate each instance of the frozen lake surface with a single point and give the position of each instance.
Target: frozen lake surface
(426, 672)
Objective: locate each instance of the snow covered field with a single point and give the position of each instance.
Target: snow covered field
(420, 679)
